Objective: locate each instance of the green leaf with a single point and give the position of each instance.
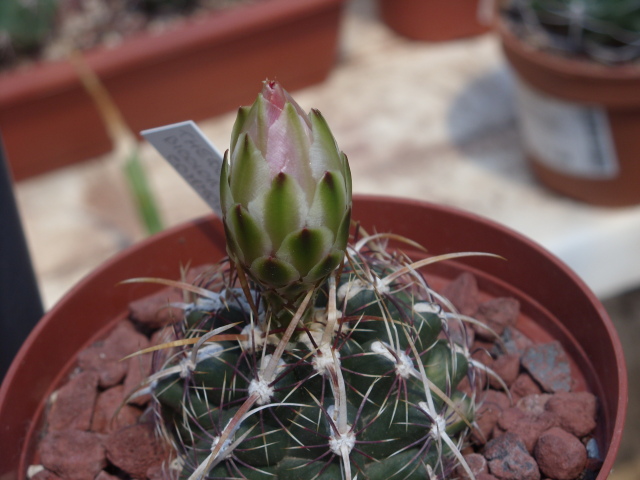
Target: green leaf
(342, 235)
(329, 203)
(238, 126)
(249, 171)
(346, 172)
(305, 248)
(145, 202)
(251, 240)
(281, 208)
(324, 267)
(324, 153)
(273, 272)
(226, 199)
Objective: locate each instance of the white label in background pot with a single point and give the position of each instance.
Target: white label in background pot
(567, 137)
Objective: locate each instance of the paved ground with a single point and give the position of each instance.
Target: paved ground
(404, 112)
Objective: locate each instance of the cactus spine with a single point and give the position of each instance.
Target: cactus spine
(334, 366)
(365, 386)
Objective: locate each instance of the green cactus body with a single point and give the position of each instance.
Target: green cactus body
(373, 395)
(334, 361)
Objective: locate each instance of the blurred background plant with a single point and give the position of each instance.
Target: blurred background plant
(25, 25)
(125, 147)
(45, 29)
(607, 31)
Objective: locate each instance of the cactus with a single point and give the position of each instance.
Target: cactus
(25, 24)
(603, 30)
(344, 372)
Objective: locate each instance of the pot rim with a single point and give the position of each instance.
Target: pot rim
(205, 225)
(144, 48)
(615, 85)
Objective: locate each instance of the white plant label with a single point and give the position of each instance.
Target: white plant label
(570, 138)
(193, 156)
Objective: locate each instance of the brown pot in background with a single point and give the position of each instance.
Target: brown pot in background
(580, 122)
(433, 20)
(555, 304)
(203, 67)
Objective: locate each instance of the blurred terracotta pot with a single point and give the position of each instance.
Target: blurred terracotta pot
(201, 68)
(433, 20)
(580, 123)
(555, 304)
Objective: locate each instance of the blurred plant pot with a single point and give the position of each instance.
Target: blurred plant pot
(580, 122)
(201, 68)
(532, 275)
(433, 20)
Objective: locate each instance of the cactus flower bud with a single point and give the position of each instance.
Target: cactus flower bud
(285, 193)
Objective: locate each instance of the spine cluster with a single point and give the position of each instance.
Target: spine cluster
(361, 382)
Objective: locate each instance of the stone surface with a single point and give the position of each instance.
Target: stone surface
(139, 368)
(45, 475)
(477, 464)
(72, 454)
(497, 314)
(154, 311)
(515, 341)
(576, 411)
(524, 385)
(486, 476)
(463, 293)
(527, 426)
(105, 356)
(105, 476)
(534, 404)
(549, 365)
(158, 472)
(73, 404)
(560, 455)
(507, 367)
(111, 414)
(492, 404)
(478, 376)
(508, 459)
(136, 449)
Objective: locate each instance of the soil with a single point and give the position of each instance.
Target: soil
(530, 423)
(86, 24)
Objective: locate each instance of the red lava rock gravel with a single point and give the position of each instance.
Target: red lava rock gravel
(535, 430)
(136, 449)
(560, 455)
(508, 459)
(73, 454)
(576, 411)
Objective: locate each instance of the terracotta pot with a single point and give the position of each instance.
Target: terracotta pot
(202, 68)
(433, 20)
(555, 304)
(580, 123)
